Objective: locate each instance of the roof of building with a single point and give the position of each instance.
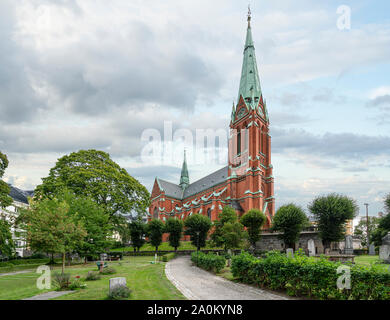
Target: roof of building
(19, 195)
(175, 191)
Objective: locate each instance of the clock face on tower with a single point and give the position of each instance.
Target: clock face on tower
(241, 113)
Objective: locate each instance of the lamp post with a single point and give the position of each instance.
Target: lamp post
(368, 232)
(197, 247)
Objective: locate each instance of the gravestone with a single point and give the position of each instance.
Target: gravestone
(311, 247)
(384, 249)
(117, 282)
(348, 249)
(327, 251)
(290, 253)
(371, 250)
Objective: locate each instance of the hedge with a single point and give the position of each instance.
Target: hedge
(209, 261)
(308, 276)
(169, 256)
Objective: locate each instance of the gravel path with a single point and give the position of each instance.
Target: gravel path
(48, 295)
(197, 284)
(15, 272)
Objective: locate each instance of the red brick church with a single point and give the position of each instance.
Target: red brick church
(247, 181)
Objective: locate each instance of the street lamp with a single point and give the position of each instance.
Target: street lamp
(368, 232)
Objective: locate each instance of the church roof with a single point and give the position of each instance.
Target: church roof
(175, 191)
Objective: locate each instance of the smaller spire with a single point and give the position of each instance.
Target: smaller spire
(184, 178)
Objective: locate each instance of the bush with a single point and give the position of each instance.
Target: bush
(108, 270)
(62, 281)
(77, 284)
(119, 293)
(92, 275)
(167, 257)
(210, 262)
(304, 276)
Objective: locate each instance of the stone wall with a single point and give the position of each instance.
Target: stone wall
(270, 241)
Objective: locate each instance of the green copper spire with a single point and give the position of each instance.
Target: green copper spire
(250, 88)
(184, 178)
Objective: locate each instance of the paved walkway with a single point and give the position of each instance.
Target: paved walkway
(48, 295)
(15, 272)
(197, 284)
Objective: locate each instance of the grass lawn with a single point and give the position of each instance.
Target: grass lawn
(367, 260)
(184, 245)
(147, 282)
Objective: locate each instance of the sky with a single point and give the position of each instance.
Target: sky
(94, 74)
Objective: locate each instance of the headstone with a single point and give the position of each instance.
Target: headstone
(384, 252)
(327, 251)
(117, 282)
(311, 247)
(155, 258)
(371, 250)
(348, 249)
(290, 253)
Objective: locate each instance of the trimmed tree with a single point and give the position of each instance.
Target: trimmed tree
(290, 221)
(331, 213)
(155, 229)
(138, 231)
(174, 227)
(92, 173)
(5, 199)
(197, 226)
(253, 220)
(7, 245)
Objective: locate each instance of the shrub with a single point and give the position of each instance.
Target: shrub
(210, 262)
(169, 256)
(119, 293)
(77, 284)
(304, 276)
(62, 281)
(108, 270)
(92, 275)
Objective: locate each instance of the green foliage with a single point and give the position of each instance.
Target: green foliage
(119, 293)
(77, 284)
(5, 199)
(169, 256)
(387, 204)
(175, 229)
(253, 220)
(290, 221)
(92, 276)
(361, 229)
(62, 280)
(155, 229)
(377, 235)
(197, 224)
(108, 270)
(93, 174)
(137, 231)
(331, 213)
(7, 245)
(210, 262)
(317, 278)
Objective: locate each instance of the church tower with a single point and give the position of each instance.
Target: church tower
(250, 170)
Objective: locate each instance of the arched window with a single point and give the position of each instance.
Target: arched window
(209, 213)
(155, 213)
(239, 141)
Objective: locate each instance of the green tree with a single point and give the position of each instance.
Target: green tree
(360, 231)
(7, 245)
(197, 227)
(93, 174)
(290, 220)
(51, 228)
(138, 231)
(383, 225)
(5, 199)
(331, 213)
(174, 227)
(155, 229)
(228, 232)
(253, 220)
(95, 221)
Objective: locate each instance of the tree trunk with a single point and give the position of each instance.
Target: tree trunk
(63, 262)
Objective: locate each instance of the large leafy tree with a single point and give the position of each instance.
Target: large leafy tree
(290, 220)
(331, 213)
(51, 228)
(138, 232)
(5, 199)
(174, 227)
(253, 220)
(197, 227)
(383, 224)
(95, 175)
(228, 232)
(95, 221)
(360, 231)
(155, 231)
(7, 245)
